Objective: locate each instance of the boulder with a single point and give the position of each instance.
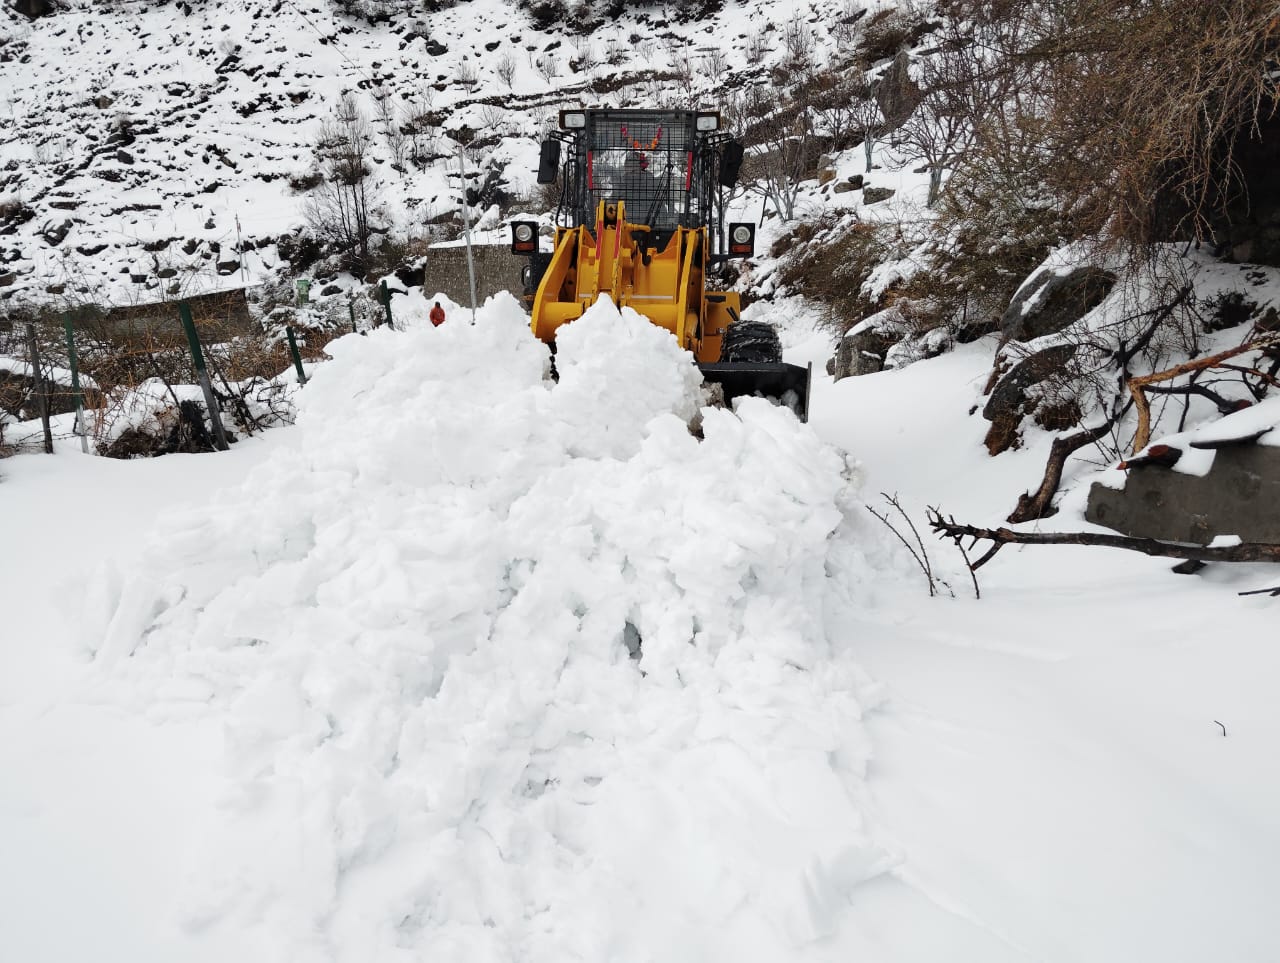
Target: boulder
(32, 9)
(861, 352)
(1010, 402)
(55, 233)
(1244, 226)
(1049, 301)
(874, 195)
(896, 93)
(1237, 497)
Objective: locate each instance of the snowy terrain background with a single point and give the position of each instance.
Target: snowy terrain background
(472, 665)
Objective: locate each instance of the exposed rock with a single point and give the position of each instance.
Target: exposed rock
(32, 8)
(1246, 225)
(436, 49)
(1060, 300)
(826, 175)
(1010, 402)
(124, 157)
(844, 187)
(896, 93)
(874, 195)
(861, 353)
(410, 276)
(1237, 497)
(228, 267)
(55, 234)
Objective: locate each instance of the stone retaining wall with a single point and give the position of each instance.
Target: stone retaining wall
(497, 269)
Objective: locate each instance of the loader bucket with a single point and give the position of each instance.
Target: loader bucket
(786, 383)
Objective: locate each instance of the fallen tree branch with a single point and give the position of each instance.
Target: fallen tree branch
(1033, 505)
(1138, 385)
(1037, 504)
(999, 537)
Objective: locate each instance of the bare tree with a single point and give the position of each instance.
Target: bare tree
(420, 124)
(339, 208)
(782, 146)
(394, 135)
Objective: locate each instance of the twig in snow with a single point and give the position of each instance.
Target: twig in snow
(917, 551)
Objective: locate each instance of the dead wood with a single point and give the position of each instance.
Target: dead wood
(1036, 505)
(1000, 537)
(1138, 385)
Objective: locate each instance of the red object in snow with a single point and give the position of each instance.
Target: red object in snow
(437, 315)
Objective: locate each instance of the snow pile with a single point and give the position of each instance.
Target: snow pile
(513, 669)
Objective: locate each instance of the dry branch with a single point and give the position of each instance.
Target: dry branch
(999, 537)
(1137, 385)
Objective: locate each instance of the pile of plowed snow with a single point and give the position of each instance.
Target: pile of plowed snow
(513, 669)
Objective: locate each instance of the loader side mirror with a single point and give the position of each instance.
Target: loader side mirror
(549, 162)
(730, 163)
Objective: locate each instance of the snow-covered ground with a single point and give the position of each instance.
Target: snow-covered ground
(368, 687)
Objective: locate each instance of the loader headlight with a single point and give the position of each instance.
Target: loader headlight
(573, 119)
(707, 122)
(524, 237)
(742, 239)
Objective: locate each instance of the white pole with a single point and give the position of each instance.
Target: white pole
(466, 226)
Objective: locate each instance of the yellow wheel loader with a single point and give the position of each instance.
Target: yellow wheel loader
(641, 219)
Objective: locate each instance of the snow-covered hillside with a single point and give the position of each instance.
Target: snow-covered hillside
(150, 149)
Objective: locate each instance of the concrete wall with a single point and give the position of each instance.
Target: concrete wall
(497, 269)
(1240, 496)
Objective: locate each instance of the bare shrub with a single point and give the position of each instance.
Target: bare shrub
(506, 69)
(547, 67)
(467, 76)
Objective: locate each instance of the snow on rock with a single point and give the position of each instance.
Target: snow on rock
(513, 669)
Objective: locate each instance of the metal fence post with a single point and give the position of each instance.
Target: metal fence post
(39, 388)
(75, 383)
(297, 358)
(202, 373)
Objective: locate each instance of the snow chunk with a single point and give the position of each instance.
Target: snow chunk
(512, 668)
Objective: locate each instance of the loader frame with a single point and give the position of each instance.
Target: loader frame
(641, 219)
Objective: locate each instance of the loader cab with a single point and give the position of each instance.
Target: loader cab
(666, 166)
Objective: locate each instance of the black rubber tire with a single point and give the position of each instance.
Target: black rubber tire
(753, 342)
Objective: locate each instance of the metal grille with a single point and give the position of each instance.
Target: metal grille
(645, 162)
